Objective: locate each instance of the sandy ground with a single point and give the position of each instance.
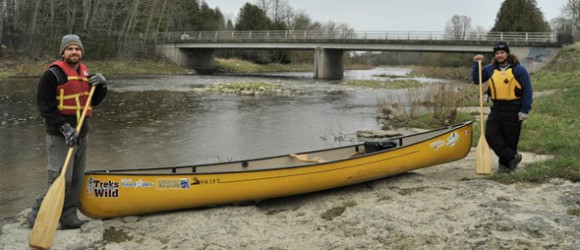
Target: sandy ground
(442, 207)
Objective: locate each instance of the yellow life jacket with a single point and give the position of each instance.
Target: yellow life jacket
(503, 86)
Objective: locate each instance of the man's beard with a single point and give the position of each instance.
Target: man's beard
(72, 61)
(502, 61)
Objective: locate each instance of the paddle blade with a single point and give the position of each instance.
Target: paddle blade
(49, 213)
(483, 157)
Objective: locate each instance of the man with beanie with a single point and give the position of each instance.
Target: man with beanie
(63, 90)
(510, 90)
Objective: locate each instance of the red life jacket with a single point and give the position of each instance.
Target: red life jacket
(73, 94)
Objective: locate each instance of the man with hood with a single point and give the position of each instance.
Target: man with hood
(510, 90)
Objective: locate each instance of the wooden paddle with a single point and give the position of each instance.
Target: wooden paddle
(482, 152)
(50, 210)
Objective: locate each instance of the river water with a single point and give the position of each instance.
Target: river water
(158, 121)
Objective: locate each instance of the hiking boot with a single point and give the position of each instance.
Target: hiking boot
(72, 224)
(503, 169)
(513, 165)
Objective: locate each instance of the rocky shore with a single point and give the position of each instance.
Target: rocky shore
(442, 207)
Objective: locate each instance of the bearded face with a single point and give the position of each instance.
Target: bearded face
(72, 54)
(501, 56)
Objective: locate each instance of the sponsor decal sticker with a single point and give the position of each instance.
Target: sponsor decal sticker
(129, 183)
(102, 189)
(436, 145)
(452, 140)
(173, 183)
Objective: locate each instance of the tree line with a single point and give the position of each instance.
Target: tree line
(123, 28)
(108, 28)
(524, 16)
(128, 28)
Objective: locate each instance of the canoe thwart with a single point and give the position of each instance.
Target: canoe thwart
(304, 158)
(353, 155)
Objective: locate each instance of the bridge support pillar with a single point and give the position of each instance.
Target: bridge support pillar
(328, 63)
(199, 59)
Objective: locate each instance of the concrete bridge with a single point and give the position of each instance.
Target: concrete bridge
(195, 49)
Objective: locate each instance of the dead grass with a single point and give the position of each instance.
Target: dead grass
(436, 105)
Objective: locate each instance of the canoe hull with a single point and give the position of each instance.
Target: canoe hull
(122, 193)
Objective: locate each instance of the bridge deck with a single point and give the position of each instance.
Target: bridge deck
(298, 36)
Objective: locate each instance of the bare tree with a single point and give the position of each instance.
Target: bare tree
(572, 11)
(458, 27)
(300, 21)
(2, 15)
(8, 24)
(276, 10)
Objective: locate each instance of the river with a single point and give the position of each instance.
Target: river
(156, 121)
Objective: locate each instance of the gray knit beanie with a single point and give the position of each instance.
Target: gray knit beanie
(70, 39)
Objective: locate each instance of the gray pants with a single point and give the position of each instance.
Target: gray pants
(57, 152)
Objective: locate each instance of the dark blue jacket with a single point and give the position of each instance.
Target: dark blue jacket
(521, 75)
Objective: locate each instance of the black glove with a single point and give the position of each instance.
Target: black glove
(97, 80)
(70, 135)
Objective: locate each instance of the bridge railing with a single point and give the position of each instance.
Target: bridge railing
(313, 35)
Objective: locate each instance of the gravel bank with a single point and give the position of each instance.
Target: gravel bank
(442, 207)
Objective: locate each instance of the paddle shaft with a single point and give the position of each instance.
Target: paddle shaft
(50, 210)
(482, 153)
(480, 98)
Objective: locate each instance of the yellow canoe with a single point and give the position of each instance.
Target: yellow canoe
(112, 193)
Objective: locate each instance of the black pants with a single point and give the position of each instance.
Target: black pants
(502, 132)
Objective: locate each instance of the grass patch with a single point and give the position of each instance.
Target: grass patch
(574, 211)
(390, 76)
(241, 66)
(561, 72)
(452, 73)
(397, 84)
(4, 75)
(140, 67)
(249, 88)
(108, 68)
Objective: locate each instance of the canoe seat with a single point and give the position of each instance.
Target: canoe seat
(304, 158)
(374, 146)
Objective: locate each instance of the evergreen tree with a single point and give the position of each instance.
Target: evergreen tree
(210, 19)
(251, 17)
(520, 16)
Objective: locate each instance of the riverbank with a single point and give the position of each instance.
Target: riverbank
(27, 68)
(14, 68)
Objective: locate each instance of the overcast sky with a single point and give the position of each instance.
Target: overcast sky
(400, 15)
